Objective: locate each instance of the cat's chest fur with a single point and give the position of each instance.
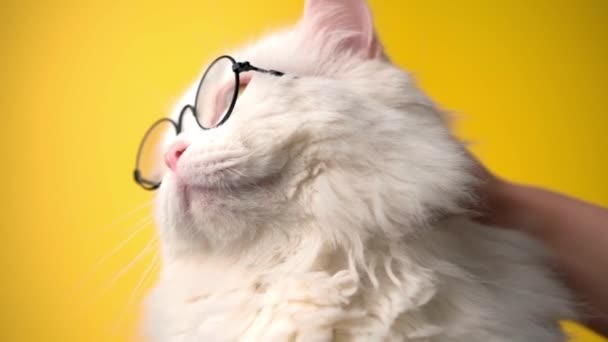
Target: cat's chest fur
(451, 284)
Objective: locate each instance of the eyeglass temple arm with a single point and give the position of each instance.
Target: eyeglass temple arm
(245, 66)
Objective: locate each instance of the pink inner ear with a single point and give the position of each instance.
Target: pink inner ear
(334, 16)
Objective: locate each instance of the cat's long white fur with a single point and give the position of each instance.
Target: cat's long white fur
(359, 229)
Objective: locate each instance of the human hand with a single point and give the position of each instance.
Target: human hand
(576, 233)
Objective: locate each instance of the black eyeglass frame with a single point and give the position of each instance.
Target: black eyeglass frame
(237, 68)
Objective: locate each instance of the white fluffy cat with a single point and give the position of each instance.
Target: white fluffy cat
(337, 211)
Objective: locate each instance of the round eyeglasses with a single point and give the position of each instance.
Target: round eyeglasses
(213, 105)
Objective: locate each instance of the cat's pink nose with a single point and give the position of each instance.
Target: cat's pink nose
(175, 151)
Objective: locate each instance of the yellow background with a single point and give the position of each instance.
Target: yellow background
(82, 80)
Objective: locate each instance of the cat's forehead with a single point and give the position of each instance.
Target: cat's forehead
(275, 49)
(290, 52)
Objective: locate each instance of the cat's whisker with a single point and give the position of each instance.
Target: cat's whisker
(141, 225)
(239, 173)
(135, 292)
(138, 257)
(149, 247)
(117, 221)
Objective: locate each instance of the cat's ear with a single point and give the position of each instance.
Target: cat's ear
(353, 18)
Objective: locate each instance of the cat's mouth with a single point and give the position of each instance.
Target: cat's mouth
(220, 190)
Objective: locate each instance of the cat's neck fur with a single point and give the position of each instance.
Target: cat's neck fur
(293, 250)
(294, 256)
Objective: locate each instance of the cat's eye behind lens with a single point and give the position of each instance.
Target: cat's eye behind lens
(217, 93)
(150, 160)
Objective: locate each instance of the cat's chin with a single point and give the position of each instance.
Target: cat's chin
(218, 217)
(203, 195)
(224, 211)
